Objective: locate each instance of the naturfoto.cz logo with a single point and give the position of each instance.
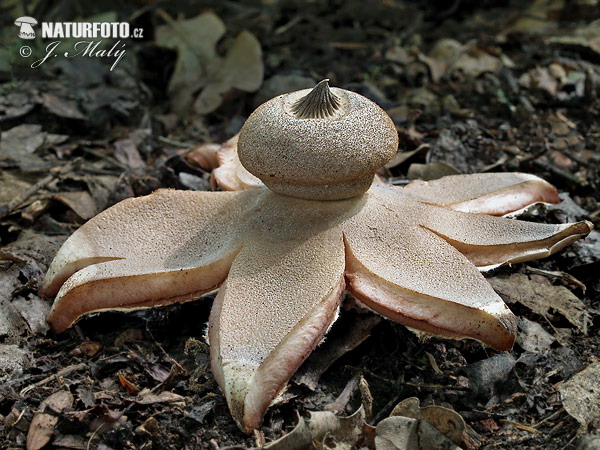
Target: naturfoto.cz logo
(91, 33)
(25, 25)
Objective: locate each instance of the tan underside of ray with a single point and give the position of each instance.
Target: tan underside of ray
(166, 247)
(495, 194)
(410, 275)
(488, 257)
(492, 241)
(486, 240)
(277, 303)
(114, 286)
(61, 272)
(231, 175)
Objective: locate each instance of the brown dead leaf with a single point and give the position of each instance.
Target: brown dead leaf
(42, 426)
(18, 147)
(538, 18)
(532, 337)
(404, 433)
(586, 37)
(401, 157)
(126, 152)
(81, 202)
(540, 78)
(12, 183)
(359, 329)
(431, 171)
(477, 60)
(200, 68)
(441, 57)
(71, 441)
(15, 104)
(448, 55)
(34, 311)
(146, 397)
(20, 141)
(12, 360)
(341, 432)
(131, 388)
(581, 394)
(540, 296)
(87, 349)
(242, 69)
(61, 107)
(109, 420)
(447, 421)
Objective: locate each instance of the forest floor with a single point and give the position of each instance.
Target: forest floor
(472, 87)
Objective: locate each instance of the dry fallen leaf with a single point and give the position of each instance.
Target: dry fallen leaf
(445, 420)
(12, 183)
(538, 18)
(80, 202)
(34, 311)
(536, 293)
(342, 432)
(404, 433)
(61, 106)
(532, 337)
(21, 140)
(200, 68)
(12, 360)
(242, 69)
(581, 395)
(540, 78)
(477, 60)
(126, 151)
(586, 37)
(431, 171)
(146, 397)
(42, 426)
(18, 147)
(448, 55)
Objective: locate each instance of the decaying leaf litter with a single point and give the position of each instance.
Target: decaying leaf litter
(471, 90)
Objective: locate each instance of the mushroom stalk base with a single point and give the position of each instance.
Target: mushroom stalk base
(338, 191)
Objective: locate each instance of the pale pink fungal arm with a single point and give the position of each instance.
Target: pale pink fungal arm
(168, 247)
(496, 194)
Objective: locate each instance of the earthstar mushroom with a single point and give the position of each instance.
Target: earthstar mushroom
(318, 144)
(282, 255)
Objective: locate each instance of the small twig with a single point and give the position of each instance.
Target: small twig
(534, 156)
(61, 373)
(417, 385)
(286, 27)
(161, 348)
(552, 416)
(566, 176)
(107, 158)
(21, 414)
(558, 274)
(520, 426)
(89, 442)
(577, 159)
(11, 206)
(340, 403)
(174, 143)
